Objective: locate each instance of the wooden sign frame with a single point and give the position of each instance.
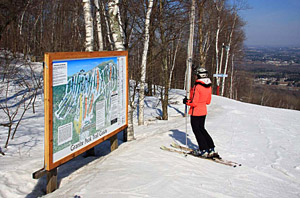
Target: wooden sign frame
(55, 77)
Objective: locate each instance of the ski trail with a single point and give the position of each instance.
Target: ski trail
(267, 127)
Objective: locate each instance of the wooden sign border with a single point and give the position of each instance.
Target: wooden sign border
(48, 96)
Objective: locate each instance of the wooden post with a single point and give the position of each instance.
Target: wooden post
(114, 142)
(51, 180)
(125, 135)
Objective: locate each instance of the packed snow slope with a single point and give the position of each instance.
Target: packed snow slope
(265, 140)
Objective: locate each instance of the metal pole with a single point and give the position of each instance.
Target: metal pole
(188, 87)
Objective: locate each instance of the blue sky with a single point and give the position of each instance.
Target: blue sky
(75, 66)
(272, 22)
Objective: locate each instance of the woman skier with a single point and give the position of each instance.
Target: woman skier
(200, 96)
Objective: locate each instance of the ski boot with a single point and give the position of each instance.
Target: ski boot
(213, 154)
(203, 153)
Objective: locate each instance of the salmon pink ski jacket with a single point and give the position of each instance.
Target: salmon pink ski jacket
(200, 96)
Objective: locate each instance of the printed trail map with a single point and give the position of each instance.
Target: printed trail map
(88, 101)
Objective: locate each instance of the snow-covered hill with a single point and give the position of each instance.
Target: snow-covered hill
(265, 140)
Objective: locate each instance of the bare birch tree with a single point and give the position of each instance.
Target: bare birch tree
(118, 36)
(106, 19)
(190, 50)
(228, 52)
(203, 40)
(115, 26)
(174, 59)
(143, 65)
(89, 30)
(231, 77)
(219, 7)
(99, 26)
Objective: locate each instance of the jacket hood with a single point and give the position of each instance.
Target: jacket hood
(206, 82)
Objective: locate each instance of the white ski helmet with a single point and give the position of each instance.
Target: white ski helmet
(201, 72)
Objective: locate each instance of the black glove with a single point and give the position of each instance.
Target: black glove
(185, 100)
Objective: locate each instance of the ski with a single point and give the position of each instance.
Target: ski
(187, 151)
(175, 145)
(219, 161)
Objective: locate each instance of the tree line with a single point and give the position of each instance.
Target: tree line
(154, 32)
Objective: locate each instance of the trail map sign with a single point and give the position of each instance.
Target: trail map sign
(85, 101)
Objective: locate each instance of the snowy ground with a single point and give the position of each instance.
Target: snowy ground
(265, 140)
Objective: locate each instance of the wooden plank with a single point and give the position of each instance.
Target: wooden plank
(50, 120)
(38, 174)
(128, 88)
(76, 55)
(51, 180)
(46, 107)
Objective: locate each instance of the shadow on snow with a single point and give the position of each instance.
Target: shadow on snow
(71, 166)
(180, 137)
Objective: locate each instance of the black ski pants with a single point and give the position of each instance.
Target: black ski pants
(204, 140)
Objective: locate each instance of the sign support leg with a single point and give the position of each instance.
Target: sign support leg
(51, 180)
(125, 135)
(114, 142)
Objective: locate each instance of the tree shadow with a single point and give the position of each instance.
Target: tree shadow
(73, 165)
(180, 138)
(159, 112)
(177, 110)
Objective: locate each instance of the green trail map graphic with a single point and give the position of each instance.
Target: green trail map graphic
(87, 104)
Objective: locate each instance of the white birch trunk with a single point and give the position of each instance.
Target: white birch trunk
(143, 66)
(22, 18)
(190, 49)
(115, 27)
(231, 77)
(130, 129)
(174, 60)
(107, 26)
(99, 27)
(227, 53)
(217, 50)
(207, 45)
(219, 9)
(190, 55)
(120, 26)
(89, 30)
(221, 59)
(202, 38)
(113, 10)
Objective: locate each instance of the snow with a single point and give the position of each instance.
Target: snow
(265, 140)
